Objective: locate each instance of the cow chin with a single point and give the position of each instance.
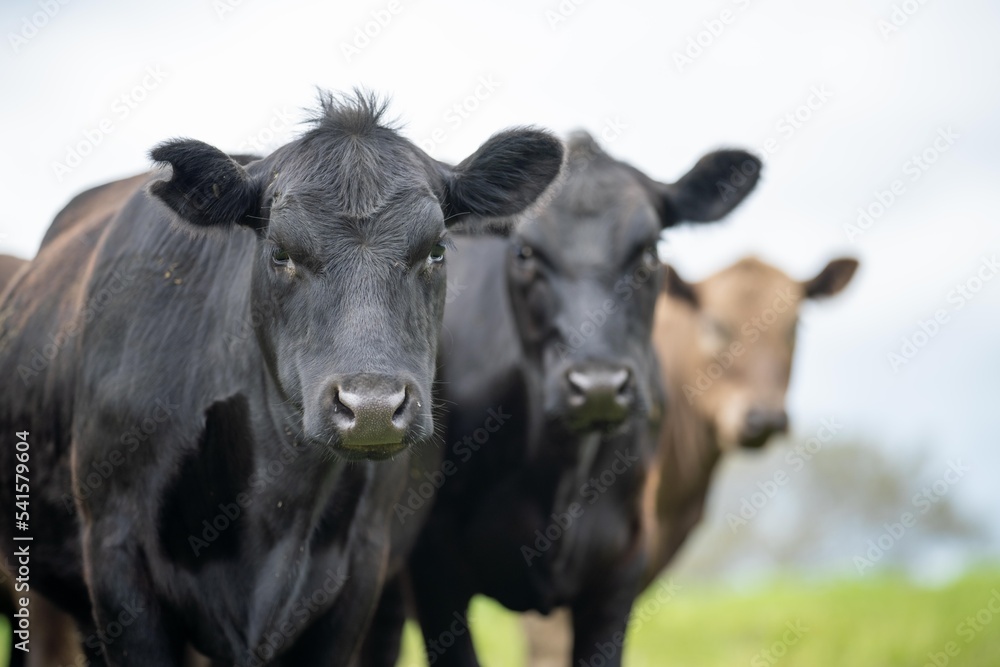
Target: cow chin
(376, 452)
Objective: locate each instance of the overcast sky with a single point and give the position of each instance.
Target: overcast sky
(837, 97)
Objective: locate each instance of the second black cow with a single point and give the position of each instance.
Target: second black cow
(550, 385)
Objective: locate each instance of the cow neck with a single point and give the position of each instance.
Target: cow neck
(314, 473)
(674, 496)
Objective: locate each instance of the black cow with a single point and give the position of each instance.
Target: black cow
(207, 373)
(551, 387)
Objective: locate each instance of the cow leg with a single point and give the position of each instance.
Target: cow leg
(131, 626)
(599, 621)
(385, 635)
(92, 650)
(550, 638)
(55, 640)
(443, 608)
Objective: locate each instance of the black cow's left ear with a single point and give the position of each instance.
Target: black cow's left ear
(713, 188)
(207, 187)
(504, 176)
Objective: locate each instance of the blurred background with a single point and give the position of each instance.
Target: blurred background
(878, 124)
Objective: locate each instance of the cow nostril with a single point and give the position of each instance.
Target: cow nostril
(781, 422)
(620, 381)
(401, 409)
(763, 422)
(341, 409)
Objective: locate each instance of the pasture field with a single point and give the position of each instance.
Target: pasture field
(879, 622)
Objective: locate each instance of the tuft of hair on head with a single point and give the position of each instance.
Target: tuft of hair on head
(582, 148)
(359, 113)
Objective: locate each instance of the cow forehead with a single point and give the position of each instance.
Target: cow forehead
(597, 215)
(408, 219)
(603, 240)
(747, 289)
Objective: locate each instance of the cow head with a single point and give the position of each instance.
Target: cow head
(583, 276)
(727, 343)
(351, 224)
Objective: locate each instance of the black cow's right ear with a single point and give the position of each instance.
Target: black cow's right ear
(207, 188)
(505, 175)
(677, 287)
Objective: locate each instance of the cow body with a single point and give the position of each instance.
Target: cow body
(206, 408)
(749, 312)
(751, 308)
(551, 396)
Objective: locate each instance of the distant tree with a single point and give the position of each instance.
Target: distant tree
(841, 511)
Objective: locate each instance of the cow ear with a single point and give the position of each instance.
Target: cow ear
(833, 278)
(504, 176)
(207, 188)
(713, 188)
(677, 287)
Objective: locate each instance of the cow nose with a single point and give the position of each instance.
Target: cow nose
(600, 393)
(761, 424)
(371, 410)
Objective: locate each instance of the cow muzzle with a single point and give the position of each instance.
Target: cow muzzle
(599, 395)
(370, 414)
(761, 424)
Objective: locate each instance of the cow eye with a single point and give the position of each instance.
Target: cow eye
(525, 252)
(280, 257)
(650, 257)
(436, 255)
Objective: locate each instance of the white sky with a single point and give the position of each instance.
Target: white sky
(227, 79)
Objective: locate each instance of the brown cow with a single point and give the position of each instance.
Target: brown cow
(725, 351)
(54, 636)
(9, 265)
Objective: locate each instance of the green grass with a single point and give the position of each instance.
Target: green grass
(881, 622)
(877, 622)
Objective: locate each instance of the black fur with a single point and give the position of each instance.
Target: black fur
(180, 389)
(510, 346)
